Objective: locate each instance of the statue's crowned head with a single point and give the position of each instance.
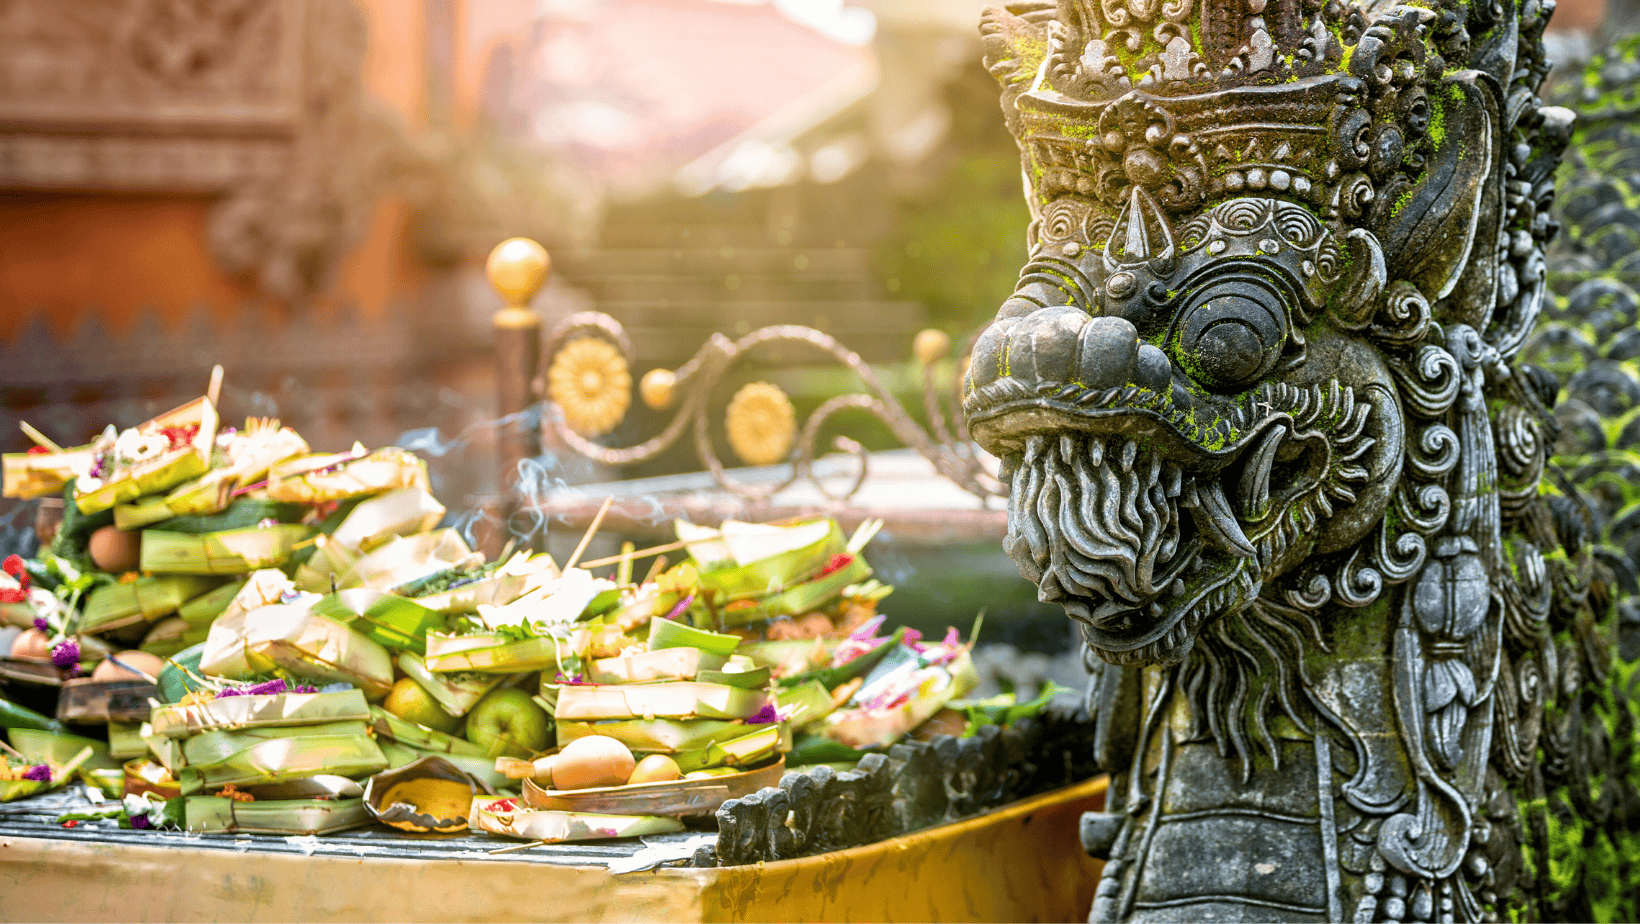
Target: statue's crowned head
(1250, 218)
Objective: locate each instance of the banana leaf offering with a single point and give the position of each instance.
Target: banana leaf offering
(255, 710)
(901, 692)
(406, 558)
(41, 765)
(389, 620)
(241, 458)
(677, 700)
(465, 589)
(154, 456)
(401, 512)
(212, 814)
(28, 475)
(318, 478)
(233, 551)
(295, 639)
(503, 653)
(262, 756)
(510, 817)
(654, 665)
(113, 606)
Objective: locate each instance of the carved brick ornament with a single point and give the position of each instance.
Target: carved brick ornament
(258, 101)
(1268, 442)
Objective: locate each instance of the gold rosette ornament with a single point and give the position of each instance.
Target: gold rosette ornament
(589, 380)
(761, 424)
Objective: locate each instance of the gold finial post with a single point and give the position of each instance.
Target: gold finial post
(517, 268)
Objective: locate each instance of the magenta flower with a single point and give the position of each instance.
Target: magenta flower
(268, 688)
(65, 654)
(764, 716)
(141, 822)
(571, 681)
(682, 605)
(39, 773)
(41, 624)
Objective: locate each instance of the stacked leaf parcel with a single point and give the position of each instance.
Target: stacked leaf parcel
(312, 649)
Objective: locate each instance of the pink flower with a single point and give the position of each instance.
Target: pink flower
(65, 654)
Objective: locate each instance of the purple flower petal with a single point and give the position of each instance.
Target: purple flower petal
(41, 624)
(65, 654)
(764, 716)
(141, 822)
(39, 773)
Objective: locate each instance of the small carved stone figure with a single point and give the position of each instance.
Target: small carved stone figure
(1259, 400)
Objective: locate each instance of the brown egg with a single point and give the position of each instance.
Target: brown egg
(116, 551)
(656, 768)
(32, 645)
(141, 660)
(595, 760)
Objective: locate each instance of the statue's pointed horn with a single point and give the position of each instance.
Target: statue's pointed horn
(1141, 234)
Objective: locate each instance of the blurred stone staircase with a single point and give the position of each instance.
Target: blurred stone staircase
(676, 270)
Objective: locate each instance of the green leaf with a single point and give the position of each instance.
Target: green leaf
(665, 633)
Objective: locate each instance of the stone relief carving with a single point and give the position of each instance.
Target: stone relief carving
(1258, 400)
(258, 101)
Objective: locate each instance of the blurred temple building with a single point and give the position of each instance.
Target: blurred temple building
(305, 190)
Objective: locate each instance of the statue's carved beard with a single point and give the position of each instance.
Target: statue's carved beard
(1095, 521)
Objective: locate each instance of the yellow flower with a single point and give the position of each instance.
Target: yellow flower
(761, 424)
(590, 382)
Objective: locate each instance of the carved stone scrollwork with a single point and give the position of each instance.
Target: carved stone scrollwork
(1259, 407)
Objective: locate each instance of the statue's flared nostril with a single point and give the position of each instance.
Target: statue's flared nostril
(1046, 351)
(1108, 353)
(990, 351)
(1153, 370)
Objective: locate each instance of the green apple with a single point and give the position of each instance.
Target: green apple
(508, 722)
(411, 702)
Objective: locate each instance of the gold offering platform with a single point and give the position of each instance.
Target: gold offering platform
(1021, 862)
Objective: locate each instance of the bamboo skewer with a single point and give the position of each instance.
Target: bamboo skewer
(214, 390)
(38, 437)
(514, 848)
(655, 569)
(12, 751)
(140, 673)
(630, 556)
(592, 530)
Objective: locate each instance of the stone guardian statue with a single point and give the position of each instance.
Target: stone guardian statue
(1269, 444)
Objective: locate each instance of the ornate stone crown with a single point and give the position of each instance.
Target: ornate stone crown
(1198, 100)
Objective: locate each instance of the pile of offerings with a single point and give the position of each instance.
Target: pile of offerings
(256, 637)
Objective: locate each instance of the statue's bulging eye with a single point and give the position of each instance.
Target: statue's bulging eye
(1231, 333)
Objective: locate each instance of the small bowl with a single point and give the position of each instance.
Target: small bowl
(412, 818)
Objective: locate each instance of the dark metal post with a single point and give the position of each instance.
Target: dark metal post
(517, 268)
